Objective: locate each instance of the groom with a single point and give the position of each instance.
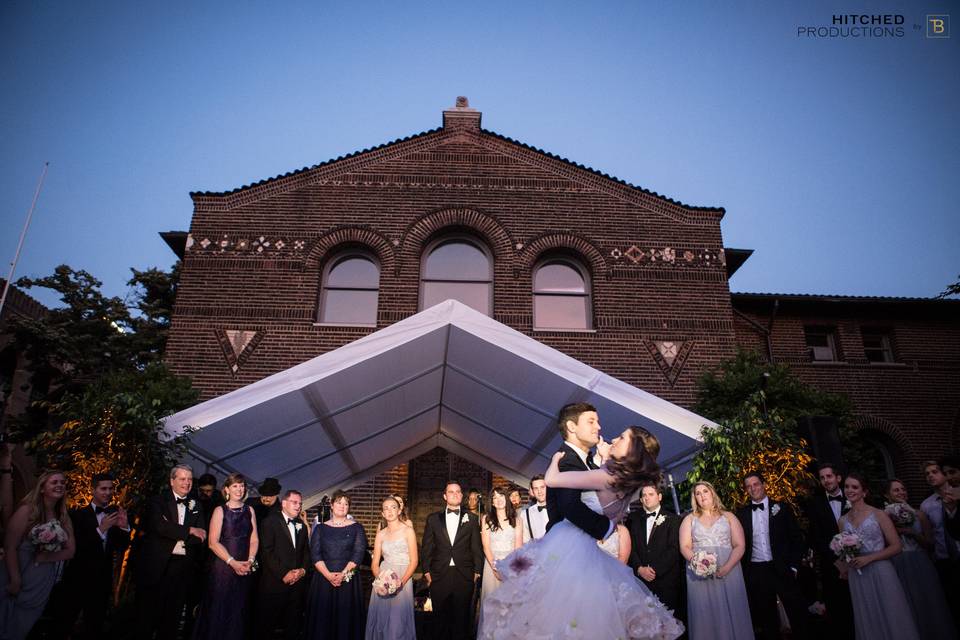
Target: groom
(580, 429)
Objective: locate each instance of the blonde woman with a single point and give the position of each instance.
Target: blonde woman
(717, 607)
(39, 538)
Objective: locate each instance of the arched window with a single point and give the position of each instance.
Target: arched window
(561, 295)
(351, 286)
(458, 268)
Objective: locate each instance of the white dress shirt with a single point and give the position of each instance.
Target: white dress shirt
(836, 507)
(651, 520)
(537, 519)
(180, 549)
(452, 522)
(291, 528)
(761, 532)
(944, 547)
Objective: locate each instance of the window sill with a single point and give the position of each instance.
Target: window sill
(343, 324)
(545, 330)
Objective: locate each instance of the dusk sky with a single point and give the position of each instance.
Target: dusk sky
(837, 159)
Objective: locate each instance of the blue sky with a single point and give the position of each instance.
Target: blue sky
(835, 158)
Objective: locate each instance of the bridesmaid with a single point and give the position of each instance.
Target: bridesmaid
(30, 573)
(335, 603)
(717, 607)
(917, 572)
(391, 617)
(880, 609)
(233, 542)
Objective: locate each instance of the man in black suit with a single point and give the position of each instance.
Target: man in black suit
(102, 533)
(285, 558)
(267, 502)
(655, 549)
(173, 536)
(580, 429)
(773, 549)
(823, 511)
(452, 558)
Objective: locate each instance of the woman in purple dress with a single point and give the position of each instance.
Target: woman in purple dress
(335, 606)
(233, 541)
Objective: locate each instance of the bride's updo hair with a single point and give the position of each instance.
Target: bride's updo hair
(639, 466)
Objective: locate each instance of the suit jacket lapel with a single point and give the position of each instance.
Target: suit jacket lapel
(172, 508)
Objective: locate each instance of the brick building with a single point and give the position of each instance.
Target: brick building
(623, 279)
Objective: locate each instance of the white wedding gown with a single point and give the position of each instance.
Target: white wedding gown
(565, 586)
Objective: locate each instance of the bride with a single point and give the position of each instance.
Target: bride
(564, 585)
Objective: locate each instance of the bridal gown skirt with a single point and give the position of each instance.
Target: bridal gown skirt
(564, 586)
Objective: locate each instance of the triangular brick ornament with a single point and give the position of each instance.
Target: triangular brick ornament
(237, 345)
(670, 356)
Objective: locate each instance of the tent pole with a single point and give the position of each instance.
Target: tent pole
(673, 491)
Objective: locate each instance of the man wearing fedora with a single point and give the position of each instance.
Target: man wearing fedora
(267, 502)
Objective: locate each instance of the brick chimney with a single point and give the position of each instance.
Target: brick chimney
(461, 117)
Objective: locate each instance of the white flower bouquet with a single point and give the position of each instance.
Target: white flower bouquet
(49, 536)
(387, 583)
(901, 514)
(704, 564)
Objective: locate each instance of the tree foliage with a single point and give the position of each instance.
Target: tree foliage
(100, 388)
(757, 405)
(951, 290)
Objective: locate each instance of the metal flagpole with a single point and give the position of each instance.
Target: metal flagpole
(23, 234)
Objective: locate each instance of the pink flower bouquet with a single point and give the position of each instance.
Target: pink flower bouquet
(847, 546)
(387, 583)
(704, 564)
(49, 536)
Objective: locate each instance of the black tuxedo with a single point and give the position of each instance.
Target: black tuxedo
(163, 577)
(451, 587)
(280, 604)
(566, 504)
(662, 553)
(88, 579)
(836, 591)
(767, 580)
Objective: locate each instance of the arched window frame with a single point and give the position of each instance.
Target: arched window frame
(580, 267)
(334, 260)
(452, 238)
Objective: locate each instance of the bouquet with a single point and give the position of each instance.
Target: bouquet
(847, 546)
(901, 514)
(387, 583)
(49, 536)
(704, 564)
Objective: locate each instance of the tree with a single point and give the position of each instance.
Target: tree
(757, 405)
(100, 387)
(951, 290)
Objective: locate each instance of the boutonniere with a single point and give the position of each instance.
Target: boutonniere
(660, 520)
(847, 506)
(192, 505)
(297, 526)
(465, 519)
(774, 509)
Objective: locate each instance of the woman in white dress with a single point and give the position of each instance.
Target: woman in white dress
(564, 585)
(918, 575)
(501, 534)
(880, 609)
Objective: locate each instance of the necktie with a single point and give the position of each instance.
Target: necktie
(835, 498)
(99, 510)
(757, 505)
(590, 463)
(454, 511)
(541, 508)
(182, 500)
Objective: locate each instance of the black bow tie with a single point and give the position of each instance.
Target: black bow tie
(757, 505)
(835, 498)
(291, 521)
(181, 500)
(99, 510)
(541, 507)
(454, 511)
(650, 515)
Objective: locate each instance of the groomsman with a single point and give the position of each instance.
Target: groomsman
(823, 511)
(535, 517)
(452, 558)
(102, 533)
(173, 537)
(773, 549)
(946, 550)
(655, 549)
(285, 558)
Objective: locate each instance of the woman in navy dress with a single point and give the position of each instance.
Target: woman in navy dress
(233, 541)
(335, 606)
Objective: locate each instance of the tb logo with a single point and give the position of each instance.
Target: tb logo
(938, 26)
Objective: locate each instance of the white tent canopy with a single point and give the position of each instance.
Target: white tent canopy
(446, 377)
